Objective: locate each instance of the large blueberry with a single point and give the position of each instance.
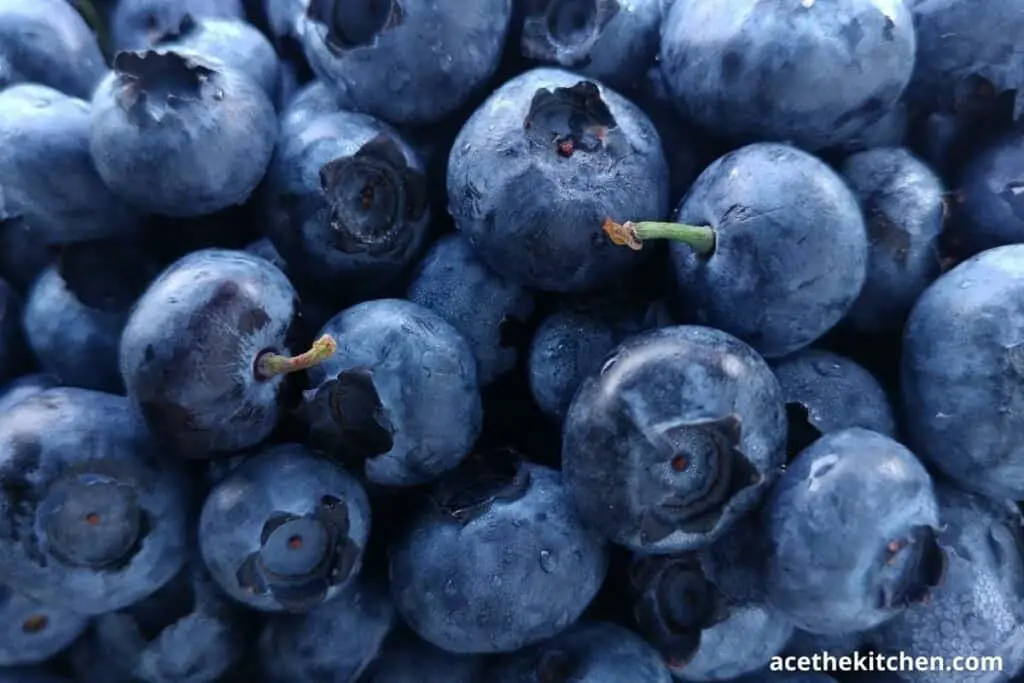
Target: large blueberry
(989, 206)
(137, 24)
(93, 519)
(406, 658)
(496, 560)
(963, 373)
(401, 392)
(681, 432)
(852, 525)
(814, 73)
(285, 530)
(537, 169)
(31, 632)
(156, 118)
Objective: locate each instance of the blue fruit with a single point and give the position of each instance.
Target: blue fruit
(283, 17)
(138, 24)
(24, 386)
(405, 61)
(401, 393)
(497, 559)
(761, 70)
(483, 306)
(904, 210)
(157, 116)
(93, 520)
(32, 632)
(285, 530)
(680, 434)
(852, 524)
(266, 250)
(989, 206)
(804, 644)
(406, 658)
(962, 374)
(536, 170)
(888, 131)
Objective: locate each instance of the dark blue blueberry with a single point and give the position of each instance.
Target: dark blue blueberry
(406, 658)
(814, 73)
(47, 42)
(614, 41)
(31, 632)
(334, 643)
(346, 201)
(401, 392)
(157, 117)
(540, 166)
(962, 373)
(24, 386)
(405, 61)
(989, 204)
(497, 560)
(200, 352)
(483, 306)
(904, 211)
(312, 101)
(978, 608)
(92, 519)
(285, 530)
(11, 342)
(138, 24)
(825, 392)
(681, 433)
(49, 187)
(598, 652)
(852, 525)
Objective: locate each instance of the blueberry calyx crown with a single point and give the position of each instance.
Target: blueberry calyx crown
(480, 482)
(565, 31)
(346, 415)
(571, 119)
(372, 194)
(301, 556)
(355, 23)
(185, 27)
(911, 567)
(158, 77)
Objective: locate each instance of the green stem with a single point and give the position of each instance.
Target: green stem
(271, 364)
(700, 238)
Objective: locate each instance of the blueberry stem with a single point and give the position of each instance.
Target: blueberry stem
(700, 238)
(271, 364)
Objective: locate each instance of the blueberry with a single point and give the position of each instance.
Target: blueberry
(853, 529)
(889, 131)
(24, 386)
(283, 17)
(47, 42)
(285, 531)
(681, 432)
(405, 61)
(962, 375)
(978, 609)
(497, 560)
(537, 169)
(199, 353)
(804, 644)
(334, 642)
(311, 101)
(157, 116)
(614, 41)
(347, 206)
(770, 246)
(137, 24)
(405, 658)
(266, 250)
(93, 520)
(401, 392)
(32, 632)
(904, 212)
(49, 187)
(990, 199)
(598, 652)
(483, 306)
(761, 70)
(825, 392)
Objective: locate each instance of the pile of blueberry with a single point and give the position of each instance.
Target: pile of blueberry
(510, 341)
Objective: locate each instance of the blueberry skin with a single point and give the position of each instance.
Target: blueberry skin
(961, 374)
(401, 391)
(888, 131)
(55, 446)
(24, 386)
(10, 330)
(978, 609)
(48, 43)
(346, 201)
(334, 643)
(405, 658)
(990, 201)
(32, 632)
(791, 248)
(50, 187)
(265, 249)
(534, 215)
(311, 101)
(681, 432)
(852, 524)
(181, 135)
(138, 24)
(455, 284)
(598, 652)
(189, 349)
(804, 644)
(393, 59)
(751, 56)
(614, 41)
(478, 573)
(285, 489)
(283, 17)
(904, 211)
